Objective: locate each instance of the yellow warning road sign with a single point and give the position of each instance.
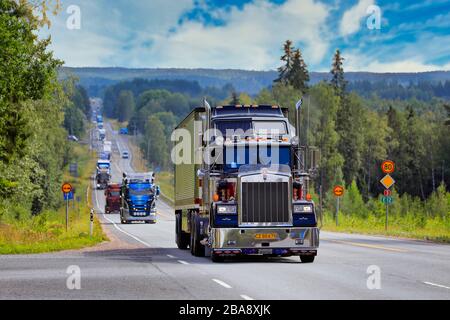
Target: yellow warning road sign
(387, 181)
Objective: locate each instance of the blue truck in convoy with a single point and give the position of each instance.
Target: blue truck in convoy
(138, 198)
(244, 189)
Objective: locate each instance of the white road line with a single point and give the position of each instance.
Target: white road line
(243, 296)
(183, 262)
(171, 256)
(223, 284)
(118, 228)
(436, 285)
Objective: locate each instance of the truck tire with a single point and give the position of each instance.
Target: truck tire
(197, 249)
(307, 259)
(180, 237)
(216, 258)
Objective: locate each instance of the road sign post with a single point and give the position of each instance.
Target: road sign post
(67, 191)
(338, 192)
(388, 167)
(91, 223)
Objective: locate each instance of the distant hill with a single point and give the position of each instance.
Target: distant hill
(95, 80)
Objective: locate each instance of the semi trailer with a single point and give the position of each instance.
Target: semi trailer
(241, 186)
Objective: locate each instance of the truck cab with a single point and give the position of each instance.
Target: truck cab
(138, 198)
(112, 196)
(246, 194)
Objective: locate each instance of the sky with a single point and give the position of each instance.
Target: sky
(411, 36)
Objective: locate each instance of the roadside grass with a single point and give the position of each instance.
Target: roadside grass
(46, 232)
(434, 229)
(165, 180)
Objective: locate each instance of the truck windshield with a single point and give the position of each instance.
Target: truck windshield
(269, 128)
(114, 193)
(232, 128)
(139, 189)
(245, 128)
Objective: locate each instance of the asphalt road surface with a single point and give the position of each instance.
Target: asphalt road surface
(142, 262)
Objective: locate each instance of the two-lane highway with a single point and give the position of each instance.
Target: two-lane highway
(142, 262)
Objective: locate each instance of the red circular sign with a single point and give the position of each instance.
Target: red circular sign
(339, 191)
(387, 193)
(66, 188)
(388, 167)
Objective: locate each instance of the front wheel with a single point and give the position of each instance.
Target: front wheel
(197, 249)
(307, 259)
(216, 258)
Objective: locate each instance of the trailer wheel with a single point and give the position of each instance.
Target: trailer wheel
(181, 238)
(197, 249)
(307, 259)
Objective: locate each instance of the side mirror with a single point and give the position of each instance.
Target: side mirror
(201, 173)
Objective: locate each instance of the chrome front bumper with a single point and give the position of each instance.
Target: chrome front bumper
(126, 216)
(293, 239)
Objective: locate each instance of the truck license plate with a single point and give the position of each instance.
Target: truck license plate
(266, 236)
(265, 251)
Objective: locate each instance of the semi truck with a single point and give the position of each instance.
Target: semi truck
(241, 185)
(107, 148)
(103, 174)
(112, 196)
(101, 134)
(138, 198)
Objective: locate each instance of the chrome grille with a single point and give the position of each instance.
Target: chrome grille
(265, 202)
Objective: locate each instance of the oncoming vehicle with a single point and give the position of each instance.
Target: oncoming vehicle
(112, 195)
(125, 155)
(103, 174)
(138, 198)
(244, 191)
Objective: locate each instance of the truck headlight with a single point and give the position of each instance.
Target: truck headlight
(221, 209)
(302, 208)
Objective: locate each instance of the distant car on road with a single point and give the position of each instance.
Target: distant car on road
(123, 131)
(73, 138)
(125, 155)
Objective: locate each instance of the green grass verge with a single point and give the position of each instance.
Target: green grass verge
(434, 229)
(165, 180)
(46, 232)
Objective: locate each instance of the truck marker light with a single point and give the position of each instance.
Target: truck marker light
(216, 197)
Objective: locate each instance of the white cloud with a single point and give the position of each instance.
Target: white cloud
(251, 37)
(351, 20)
(416, 56)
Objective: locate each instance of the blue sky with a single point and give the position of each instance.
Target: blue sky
(248, 34)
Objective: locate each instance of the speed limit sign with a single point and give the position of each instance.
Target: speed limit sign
(388, 167)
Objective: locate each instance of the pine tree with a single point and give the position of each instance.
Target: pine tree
(235, 99)
(338, 80)
(288, 57)
(299, 75)
(447, 107)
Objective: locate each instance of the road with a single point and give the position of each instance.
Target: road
(143, 263)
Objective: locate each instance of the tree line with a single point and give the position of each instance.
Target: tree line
(35, 111)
